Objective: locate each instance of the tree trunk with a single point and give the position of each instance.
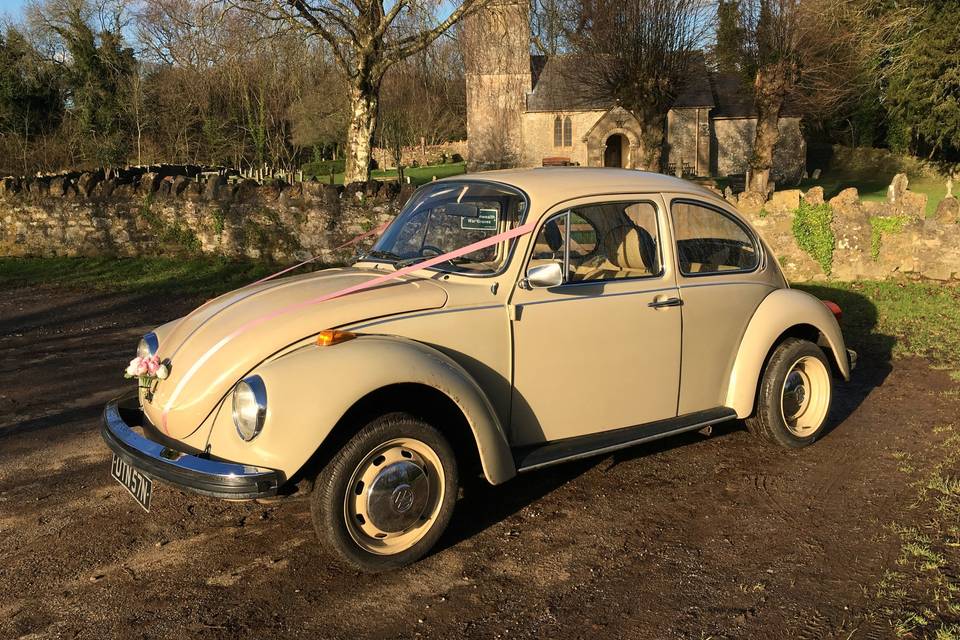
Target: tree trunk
(769, 93)
(364, 100)
(651, 147)
(651, 139)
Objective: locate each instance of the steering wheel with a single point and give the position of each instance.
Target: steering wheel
(429, 247)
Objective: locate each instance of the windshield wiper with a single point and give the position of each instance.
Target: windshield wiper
(453, 261)
(381, 255)
(406, 262)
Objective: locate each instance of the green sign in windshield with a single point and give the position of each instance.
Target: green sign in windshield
(486, 220)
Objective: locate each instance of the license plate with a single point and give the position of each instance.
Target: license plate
(139, 485)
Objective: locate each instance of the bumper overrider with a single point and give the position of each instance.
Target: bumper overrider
(196, 473)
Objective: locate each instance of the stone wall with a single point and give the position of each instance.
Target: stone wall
(870, 240)
(146, 214)
(689, 141)
(423, 155)
(538, 136)
(734, 146)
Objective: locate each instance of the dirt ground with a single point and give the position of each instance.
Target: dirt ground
(694, 537)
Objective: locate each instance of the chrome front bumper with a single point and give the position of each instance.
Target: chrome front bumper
(852, 359)
(197, 473)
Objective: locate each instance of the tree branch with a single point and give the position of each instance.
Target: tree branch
(400, 49)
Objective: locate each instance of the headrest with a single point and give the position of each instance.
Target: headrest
(623, 248)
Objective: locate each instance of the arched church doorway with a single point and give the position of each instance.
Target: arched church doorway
(615, 151)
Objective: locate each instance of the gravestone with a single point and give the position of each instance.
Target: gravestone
(948, 211)
(898, 186)
(814, 196)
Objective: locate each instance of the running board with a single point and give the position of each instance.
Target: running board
(550, 453)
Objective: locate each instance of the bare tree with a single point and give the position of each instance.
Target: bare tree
(549, 25)
(365, 39)
(814, 53)
(636, 53)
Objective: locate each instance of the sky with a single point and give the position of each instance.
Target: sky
(12, 8)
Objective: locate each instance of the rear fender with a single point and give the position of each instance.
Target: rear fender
(781, 311)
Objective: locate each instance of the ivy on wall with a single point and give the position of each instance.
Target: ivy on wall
(811, 228)
(879, 225)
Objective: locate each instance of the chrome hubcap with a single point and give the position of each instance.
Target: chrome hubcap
(795, 394)
(394, 496)
(805, 398)
(398, 496)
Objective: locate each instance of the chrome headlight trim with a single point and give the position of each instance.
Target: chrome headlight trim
(148, 345)
(249, 407)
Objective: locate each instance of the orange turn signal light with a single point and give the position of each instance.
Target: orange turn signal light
(330, 337)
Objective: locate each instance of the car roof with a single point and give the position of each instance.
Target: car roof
(557, 184)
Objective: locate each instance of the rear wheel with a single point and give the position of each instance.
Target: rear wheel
(386, 497)
(794, 397)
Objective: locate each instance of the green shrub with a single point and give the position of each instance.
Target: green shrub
(880, 225)
(811, 228)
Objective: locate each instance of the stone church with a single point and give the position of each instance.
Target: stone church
(525, 110)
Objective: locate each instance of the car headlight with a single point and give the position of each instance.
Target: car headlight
(148, 346)
(249, 407)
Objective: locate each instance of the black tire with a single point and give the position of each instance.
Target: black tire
(775, 403)
(330, 504)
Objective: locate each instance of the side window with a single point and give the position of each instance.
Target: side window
(551, 242)
(710, 241)
(583, 237)
(599, 242)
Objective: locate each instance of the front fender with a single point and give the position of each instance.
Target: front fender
(311, 388)
(778, 313)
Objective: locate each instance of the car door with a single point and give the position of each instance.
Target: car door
(601, 350)
(722, 277)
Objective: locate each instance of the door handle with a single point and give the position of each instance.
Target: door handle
(661, 302)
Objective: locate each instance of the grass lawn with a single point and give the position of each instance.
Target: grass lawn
(905, 318)
(417, 175)
(183, 276)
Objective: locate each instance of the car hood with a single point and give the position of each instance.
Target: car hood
(210, 349)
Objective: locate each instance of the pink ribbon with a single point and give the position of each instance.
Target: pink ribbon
(317, 257)
(369, 284)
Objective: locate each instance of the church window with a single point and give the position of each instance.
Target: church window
(567, 132)
(557, 132)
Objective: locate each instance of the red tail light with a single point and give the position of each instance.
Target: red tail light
(834, 309)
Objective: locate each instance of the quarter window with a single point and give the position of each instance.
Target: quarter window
(599, 242)
(710, 241)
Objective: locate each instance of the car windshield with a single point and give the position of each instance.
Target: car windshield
(445, 216)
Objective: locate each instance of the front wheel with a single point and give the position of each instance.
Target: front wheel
(386, 497)
(795, 394)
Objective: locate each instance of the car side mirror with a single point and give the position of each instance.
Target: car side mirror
(544, 276)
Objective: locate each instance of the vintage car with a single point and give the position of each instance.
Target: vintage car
(504, 322)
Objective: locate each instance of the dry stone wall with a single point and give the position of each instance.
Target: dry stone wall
(138, 213)
(869, 240)
(178, 212)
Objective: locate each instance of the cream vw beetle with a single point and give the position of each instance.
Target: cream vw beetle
(603, 308)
